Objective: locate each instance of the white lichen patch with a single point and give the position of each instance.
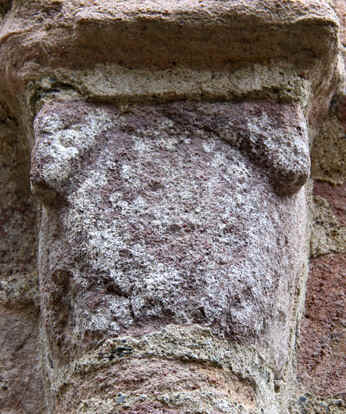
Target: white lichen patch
(60, 143)
(166, 222)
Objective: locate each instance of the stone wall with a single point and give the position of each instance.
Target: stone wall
(321, 358)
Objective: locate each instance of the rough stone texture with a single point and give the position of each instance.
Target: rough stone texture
(20, 376)
(175, 369)
(159, 215)
(335, 197)
(322, 350)
(321, 362)
(329, 148)
(169, 49)
(328, 234)
(340, 9)
(170, 151)
(321, 357)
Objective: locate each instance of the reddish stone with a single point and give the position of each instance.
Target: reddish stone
(336, 196)
(340, 109)
(321, 357)
(341, 11)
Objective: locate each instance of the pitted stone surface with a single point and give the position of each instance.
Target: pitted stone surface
(321, 356)
(20, 376)
(174, 369)
(155, 216)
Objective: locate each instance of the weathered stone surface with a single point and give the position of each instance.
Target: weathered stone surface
(322, 355)
(308, 403)
(169, 49)
(20, 365)
(329, 146)
(329, 150)
(168, 24)
(322, 350)
(175, 369)
(20, 375)
(321, 361)
(328, 234)
(336, 198)
(159, 215)
(341, 11)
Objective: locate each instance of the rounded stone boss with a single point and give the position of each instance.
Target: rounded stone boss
(169, 155)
